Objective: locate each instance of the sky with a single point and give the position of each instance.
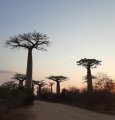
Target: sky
(77, 29)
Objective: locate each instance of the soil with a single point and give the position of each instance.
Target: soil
(53, 111)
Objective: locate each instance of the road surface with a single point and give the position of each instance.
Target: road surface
(53, 111)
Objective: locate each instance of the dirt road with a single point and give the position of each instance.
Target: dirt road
(52, 111)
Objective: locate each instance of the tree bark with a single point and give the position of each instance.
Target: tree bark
(51, 89)
(89, 80)
(28, 83)
(20, 84)
(39, 92)
(58, 88)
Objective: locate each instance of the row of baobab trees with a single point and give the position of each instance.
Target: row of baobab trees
(39, 41)
(40, 83)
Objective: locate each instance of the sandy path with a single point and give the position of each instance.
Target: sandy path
(53, 111)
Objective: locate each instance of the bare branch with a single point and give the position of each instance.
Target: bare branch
(19, 77)
(29, 41)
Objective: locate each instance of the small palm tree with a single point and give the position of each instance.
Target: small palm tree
(57, 79)
(88, 64)
(20, 78)
(29, 41)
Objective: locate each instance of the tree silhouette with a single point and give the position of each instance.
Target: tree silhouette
(88, 64)
(20, 78)
(57, 79)
(104, 82)
(10, 85)
(51, 85)
(29, 41)
(85, 78)
(40, 84)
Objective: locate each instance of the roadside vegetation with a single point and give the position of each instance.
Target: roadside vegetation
(101, 99)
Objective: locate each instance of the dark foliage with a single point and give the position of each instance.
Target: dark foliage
(14, 96)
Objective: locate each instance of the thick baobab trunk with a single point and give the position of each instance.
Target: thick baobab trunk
(51, 89)
(20, 84)
(89, 80)
(28, 83)
(58, 88)
(39, 92)
(33, 87)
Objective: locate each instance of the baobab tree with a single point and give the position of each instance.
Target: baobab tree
(85, 78)
(51, 85)
(20, 78)
(29, 41)
(40, 84)
(88, 64)
(57, 79)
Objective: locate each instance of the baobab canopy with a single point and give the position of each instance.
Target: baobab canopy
(89, 62)
(57, 78)
(29, 41)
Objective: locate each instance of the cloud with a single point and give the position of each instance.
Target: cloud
(5, 76)
(73, 57)
(6, 72)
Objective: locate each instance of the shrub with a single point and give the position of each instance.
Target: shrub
(16, 97)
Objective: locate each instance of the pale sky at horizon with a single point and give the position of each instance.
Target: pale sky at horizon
(77, 29)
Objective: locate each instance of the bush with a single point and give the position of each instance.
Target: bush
(21, 96)
(16, 97)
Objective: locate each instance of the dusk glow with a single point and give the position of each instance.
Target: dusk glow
(76, 29)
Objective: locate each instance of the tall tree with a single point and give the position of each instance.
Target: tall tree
(57, 79)
(20, 78)
(40, 84)
(51, 85)
(29, 41)
(88, 64)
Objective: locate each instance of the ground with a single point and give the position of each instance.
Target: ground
(53, 111)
